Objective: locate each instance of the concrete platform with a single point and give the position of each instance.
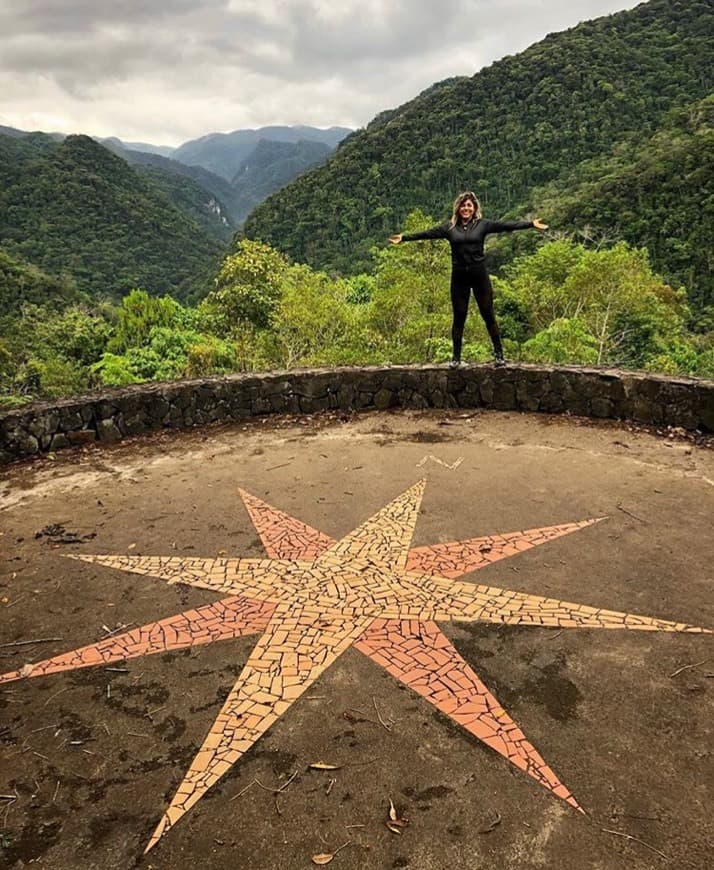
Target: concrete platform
(615, 721)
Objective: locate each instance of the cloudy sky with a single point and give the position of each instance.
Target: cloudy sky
(164, 71)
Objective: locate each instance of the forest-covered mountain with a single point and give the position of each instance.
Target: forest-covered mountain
(657, 193)
(210, 199)
(270, 166)
(251, 165)
(600, 89)
(262, 164)
(74, 208)
(225, 153)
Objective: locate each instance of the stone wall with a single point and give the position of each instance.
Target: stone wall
(113, 414)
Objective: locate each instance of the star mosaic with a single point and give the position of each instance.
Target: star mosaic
(313, 598)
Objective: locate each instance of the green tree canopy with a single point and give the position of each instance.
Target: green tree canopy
(248, 289)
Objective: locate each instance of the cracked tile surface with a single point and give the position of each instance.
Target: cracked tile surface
(313, 598)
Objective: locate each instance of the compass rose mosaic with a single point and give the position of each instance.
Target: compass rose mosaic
(313, 598)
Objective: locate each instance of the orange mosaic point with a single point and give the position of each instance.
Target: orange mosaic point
(313, 598)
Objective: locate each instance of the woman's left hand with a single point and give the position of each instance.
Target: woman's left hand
(539, 225)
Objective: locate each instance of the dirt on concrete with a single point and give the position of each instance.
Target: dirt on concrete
(91, 758)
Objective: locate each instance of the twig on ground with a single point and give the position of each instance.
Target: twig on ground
(361, 763)
(630, 514)
(7, 813)
(276, 790)
(44, 728)
(347, 714)
(492, 825)
(110, 632)
(689, 667)
(635, 840)
(54, 696)
(79, 775)
(379, 716)
(28, 642)
(242, 791)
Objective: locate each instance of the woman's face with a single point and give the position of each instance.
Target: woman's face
(466, 210)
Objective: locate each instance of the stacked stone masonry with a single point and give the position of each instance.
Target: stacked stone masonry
(114, 414)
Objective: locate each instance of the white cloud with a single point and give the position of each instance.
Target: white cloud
(178, 69)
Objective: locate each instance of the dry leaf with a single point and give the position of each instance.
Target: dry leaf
(323, 858)
(326, 857)
(394, 823)
(322, 765)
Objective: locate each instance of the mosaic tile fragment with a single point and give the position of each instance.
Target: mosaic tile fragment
(385, 537)
(459, 557)
(251, 578)
(295, 649)
(223, 620)
(419, 655)
(283, 536)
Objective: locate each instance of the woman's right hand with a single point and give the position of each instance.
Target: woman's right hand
(395, 239)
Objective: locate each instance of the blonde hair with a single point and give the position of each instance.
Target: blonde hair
(460, 200)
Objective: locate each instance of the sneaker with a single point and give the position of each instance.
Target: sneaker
(455, 363)
(499, 361)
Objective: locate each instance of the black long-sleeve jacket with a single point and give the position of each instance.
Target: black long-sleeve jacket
(467, 240)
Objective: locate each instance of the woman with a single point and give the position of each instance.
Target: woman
(466, 232)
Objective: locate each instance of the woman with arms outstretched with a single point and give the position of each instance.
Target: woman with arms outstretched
(466, 232)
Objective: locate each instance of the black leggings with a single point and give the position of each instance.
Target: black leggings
(463, 281)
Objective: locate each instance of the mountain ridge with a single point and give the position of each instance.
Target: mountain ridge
(310, 146)
(224, 153)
